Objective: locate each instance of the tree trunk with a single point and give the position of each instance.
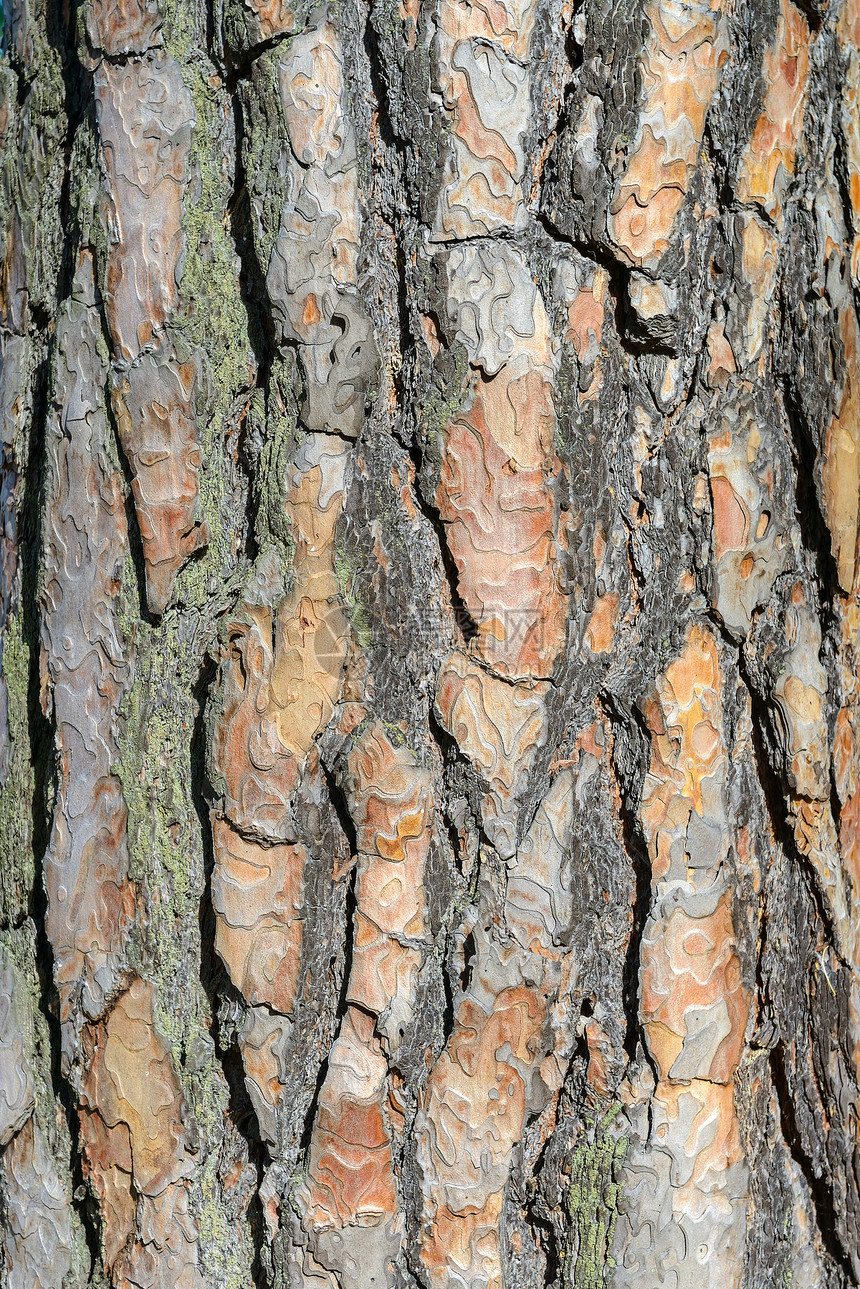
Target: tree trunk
(430, 625)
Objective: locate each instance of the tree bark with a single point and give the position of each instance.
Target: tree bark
(430, 628)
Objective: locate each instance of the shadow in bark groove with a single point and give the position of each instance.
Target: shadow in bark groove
(135, 542)
(822, 1197)
(773, 792)
(464, 619)
(41, 728)
(41, 733)
(816, 539)
(775, 801)
(628, 726)
(216, 982)
(808, 512)
(341, 809)
(252, 276)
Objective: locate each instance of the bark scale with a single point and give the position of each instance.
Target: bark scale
(429, 612)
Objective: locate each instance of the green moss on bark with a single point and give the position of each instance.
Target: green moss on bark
(592, 1201)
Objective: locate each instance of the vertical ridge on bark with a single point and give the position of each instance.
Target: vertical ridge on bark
(684, 1177)
(111, 1049)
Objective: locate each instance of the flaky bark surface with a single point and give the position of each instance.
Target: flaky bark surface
(430, 622)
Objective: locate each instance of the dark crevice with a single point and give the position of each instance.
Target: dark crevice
(341, 809)
(836, 811)
(121, 59)
(238, 66)
(449, 1009)
(340, 1010)
(215, 979)
(808, 512)
(525, 1185)
(617, 273)
(453, 837)
(574, 55)
(468, 957)
(631, 723)
(84, 1201)
(252, 279)
(579, 1051)
(41, 729)
(41, 732)
(240, 1111)
(261, 328)
(776, 804)
(548, 1241)
(820, 1191)
(212, 17)
(776, 807)
(812, 14)
(767, 1028)
(375, 63)
(451, 755)
(448, 974)
(406, 340)
(77, 101)
(135, 541)
(464, 619)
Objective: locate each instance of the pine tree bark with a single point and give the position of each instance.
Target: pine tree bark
(430, 629)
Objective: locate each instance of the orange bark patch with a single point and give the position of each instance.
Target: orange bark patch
(145, 118)
(485, 94)
(351, 1177)
(692, 988)
(282, 670)
(269, 18)
(768, 163)
(585, 319)
(392, 805)
(154, 404)
(495, 500)
(123, 26)
(721, 358)
(91, 902)
(731, 518)
(131, 1122)
(684, 50)
(840, 473)
(693, 1005)
(601, 629)
(475, 1107)
(499, 726)
(503, 1057)
(257, 896)
(599, 1057)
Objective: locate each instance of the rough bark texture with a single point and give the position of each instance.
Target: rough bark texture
(430, 628)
